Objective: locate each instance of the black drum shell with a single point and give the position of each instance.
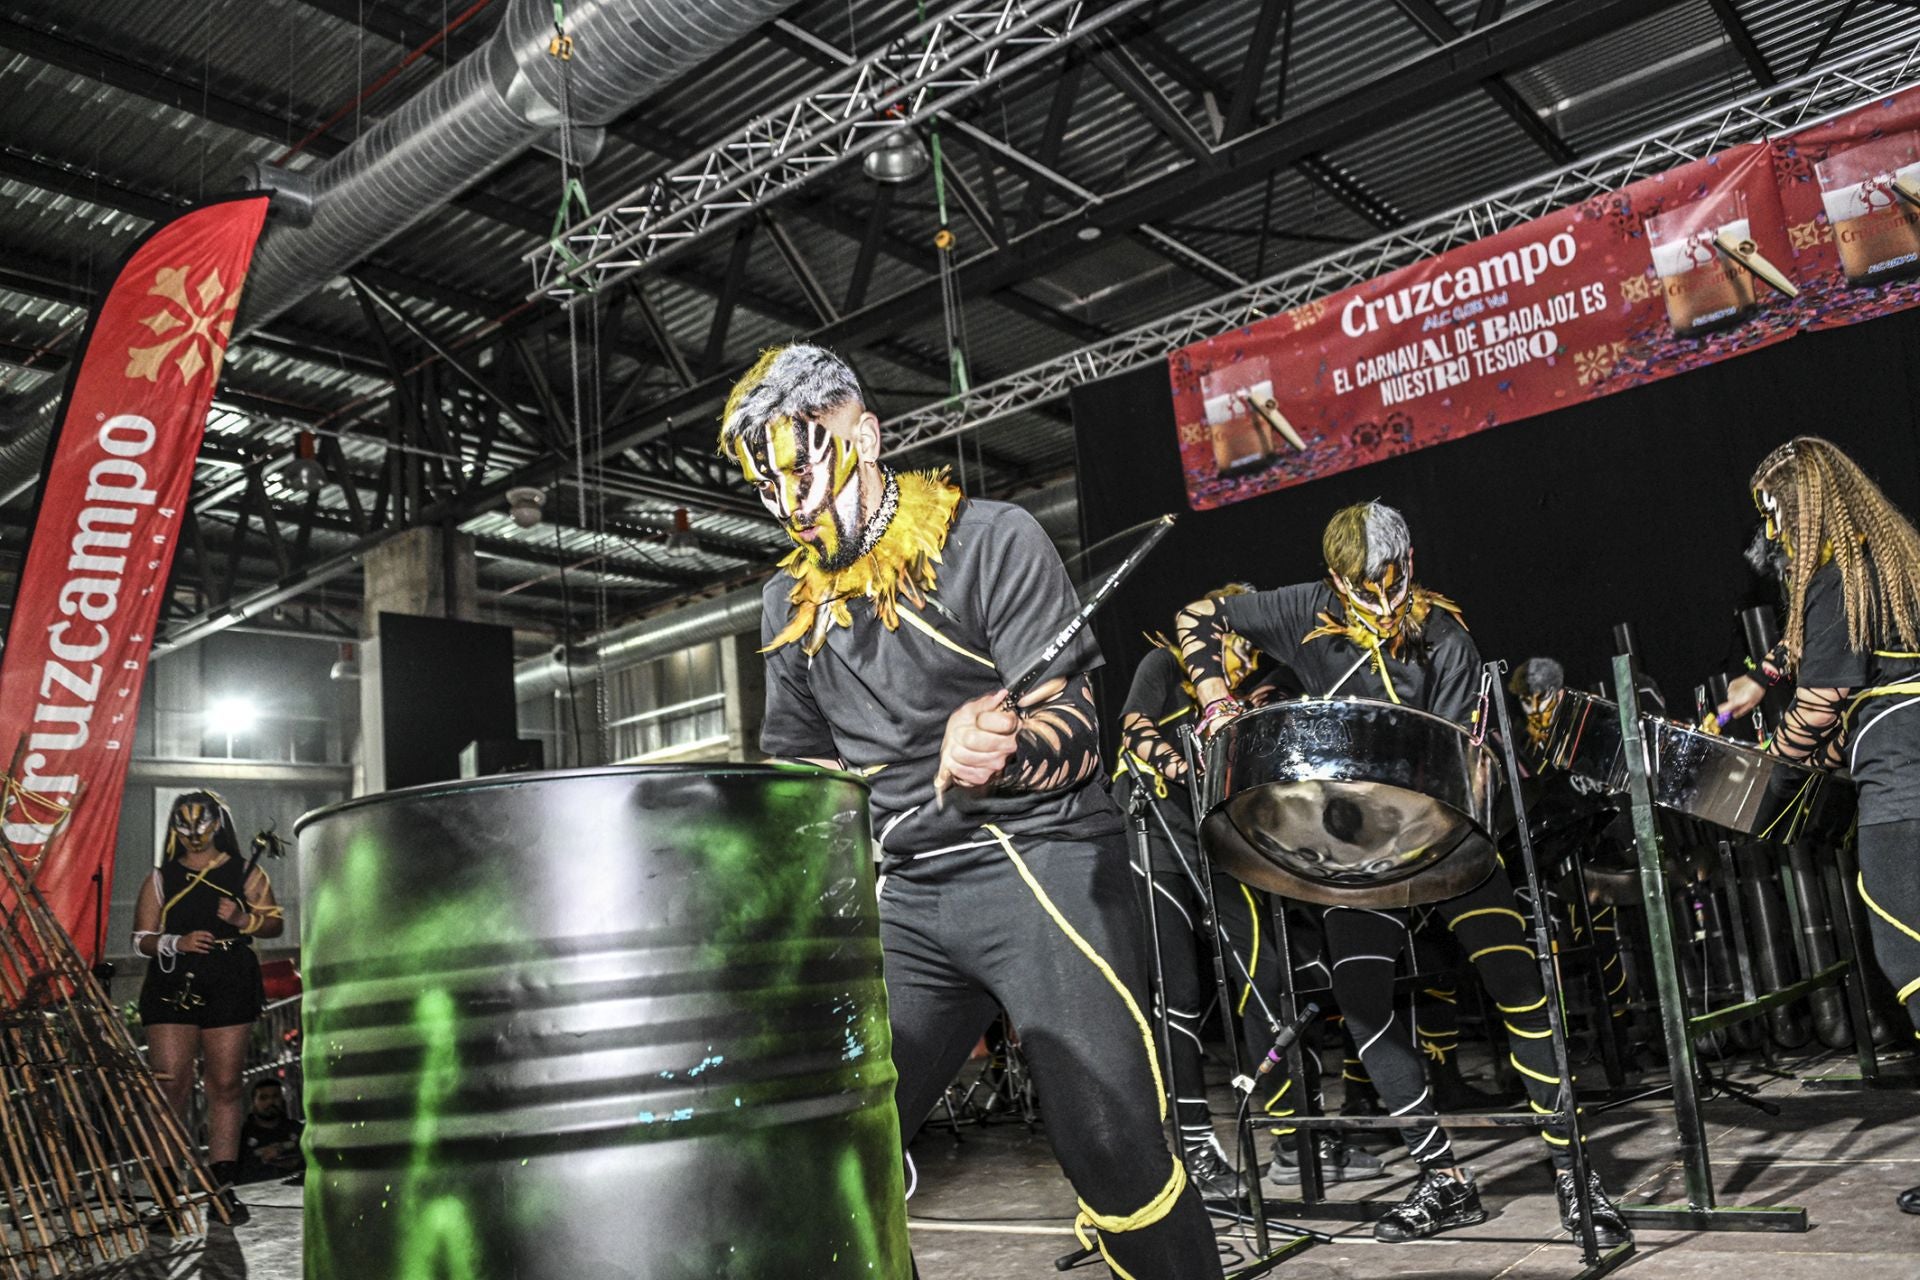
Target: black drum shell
(1302, 756)
(618, 1022)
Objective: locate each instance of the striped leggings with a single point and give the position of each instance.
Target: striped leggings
(1363, 949)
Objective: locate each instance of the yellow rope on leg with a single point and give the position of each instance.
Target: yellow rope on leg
(1154, 1210)
(1161, 1205)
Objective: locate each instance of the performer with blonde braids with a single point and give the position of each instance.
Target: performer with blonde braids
(890, 633)
(1852, 649)
(1416, 652)
(1159, 705)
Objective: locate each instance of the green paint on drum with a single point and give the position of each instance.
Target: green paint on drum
(624, 1022)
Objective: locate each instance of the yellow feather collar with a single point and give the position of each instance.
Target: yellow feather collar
(1420, 605)
(902, 561)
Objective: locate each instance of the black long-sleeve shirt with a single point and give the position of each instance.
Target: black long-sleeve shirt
(1437, 671)
(878, 699)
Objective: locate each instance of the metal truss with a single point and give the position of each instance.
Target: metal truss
(1873, 73)
(927, 70)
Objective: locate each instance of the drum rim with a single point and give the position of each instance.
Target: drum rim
(724, 768)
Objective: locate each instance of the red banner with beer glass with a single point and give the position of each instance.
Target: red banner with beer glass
(107, 522)
(1708, 260)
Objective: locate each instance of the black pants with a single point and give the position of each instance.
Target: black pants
(1050, 932)
(1363, 948)
(1890, 884)
(1186, 960)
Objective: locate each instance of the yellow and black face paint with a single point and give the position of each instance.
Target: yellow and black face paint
(194, 822)
(1381, 605)
(1539, 709)
(805, 475)
(1770, 508)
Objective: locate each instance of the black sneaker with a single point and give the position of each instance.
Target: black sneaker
(1338, 1162)
(1909, 1200)
(1609, 1224)
(1438, 1202)
(1211, 1175)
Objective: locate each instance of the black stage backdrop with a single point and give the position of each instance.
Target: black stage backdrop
(1548, 531)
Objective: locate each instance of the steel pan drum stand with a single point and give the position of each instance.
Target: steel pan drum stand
(1594, 1263)
(1700, 1212)
(1266, 1255)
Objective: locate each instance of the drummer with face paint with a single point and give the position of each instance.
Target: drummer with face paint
(1852, 652)
(890, 634)
(1368, 630)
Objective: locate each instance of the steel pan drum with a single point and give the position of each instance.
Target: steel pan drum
(1349, 802)
(1727, 783)
(620, 1022)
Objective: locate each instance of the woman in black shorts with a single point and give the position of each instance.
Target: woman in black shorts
(197, 921)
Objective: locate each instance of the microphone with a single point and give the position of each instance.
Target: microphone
(1281, 1042)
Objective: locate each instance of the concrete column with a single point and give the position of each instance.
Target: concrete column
(429, 573)
(743, 676)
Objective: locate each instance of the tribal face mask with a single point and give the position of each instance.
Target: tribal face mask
(194, 822)
(1381, 606)
(807, 477)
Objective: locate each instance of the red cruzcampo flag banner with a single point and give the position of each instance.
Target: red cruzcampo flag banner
(104, 533)
(1714, 258)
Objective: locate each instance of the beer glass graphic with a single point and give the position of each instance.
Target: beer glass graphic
(1705, 287)
(1241, 436)
(1872, 198)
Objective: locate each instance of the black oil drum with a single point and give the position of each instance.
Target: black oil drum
(621, 1022)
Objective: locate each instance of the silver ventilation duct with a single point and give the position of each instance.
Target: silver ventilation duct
(1056, 507)
(483, 112)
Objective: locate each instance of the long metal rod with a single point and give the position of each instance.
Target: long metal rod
(934, 66)
(1700, 1212)
(1666, 961)
(1567, 1103)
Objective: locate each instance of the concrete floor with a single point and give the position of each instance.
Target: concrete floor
(994, 1205)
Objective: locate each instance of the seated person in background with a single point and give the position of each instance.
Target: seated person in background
(269, 1137)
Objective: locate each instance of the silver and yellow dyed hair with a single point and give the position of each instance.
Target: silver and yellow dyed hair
(1362, 540)
(797, 382)
(1537, 676)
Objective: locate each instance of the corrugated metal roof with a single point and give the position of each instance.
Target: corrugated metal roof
(276, 69)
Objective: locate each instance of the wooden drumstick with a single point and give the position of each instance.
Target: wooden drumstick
(1269, 412)
(1908, 189)
(1747, 254)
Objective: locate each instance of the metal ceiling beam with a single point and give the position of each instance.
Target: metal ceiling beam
(309, 346)
(929, 69)
(1344, 187)
(1406, 89)
(1440, 29)
(1743, 42)
(1124, 72)
(1412, 86)
(393, 24)
(155, 206)
(143, 81)
(1868, 76)
(1274, 19)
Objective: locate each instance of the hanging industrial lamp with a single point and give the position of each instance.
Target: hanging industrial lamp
(900, 158)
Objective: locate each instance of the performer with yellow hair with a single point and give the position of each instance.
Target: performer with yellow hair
(890, 635)
(1369, 630)
(1852, 649)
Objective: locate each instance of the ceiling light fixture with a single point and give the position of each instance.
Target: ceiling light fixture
(900, 158)
(681, 542)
